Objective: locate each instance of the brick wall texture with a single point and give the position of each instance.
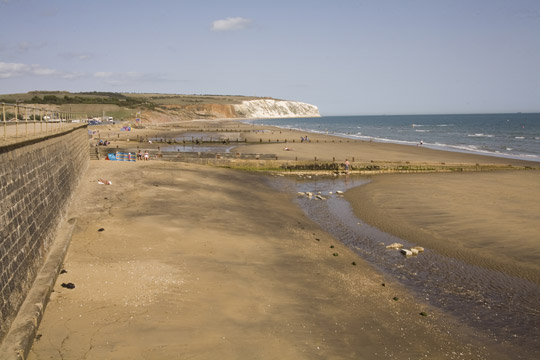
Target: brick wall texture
(37, 179)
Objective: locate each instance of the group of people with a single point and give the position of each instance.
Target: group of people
(302, 139)
(102, 142)
(140, 155)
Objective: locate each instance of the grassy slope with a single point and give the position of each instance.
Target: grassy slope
(119, 105)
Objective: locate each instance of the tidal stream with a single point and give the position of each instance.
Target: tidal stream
(506, 308)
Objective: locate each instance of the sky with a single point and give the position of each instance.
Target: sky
(347, 57)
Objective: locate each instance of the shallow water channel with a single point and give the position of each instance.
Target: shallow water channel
(505, 307)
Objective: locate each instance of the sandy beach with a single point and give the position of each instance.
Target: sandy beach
(487, 219)
(203, 262)
(263, 139)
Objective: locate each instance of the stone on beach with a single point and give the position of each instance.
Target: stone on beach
(394, 246)
(406, 252)
(418, 249)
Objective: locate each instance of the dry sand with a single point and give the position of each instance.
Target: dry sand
(199, 262)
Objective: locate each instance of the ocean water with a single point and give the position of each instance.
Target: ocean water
(514, 136)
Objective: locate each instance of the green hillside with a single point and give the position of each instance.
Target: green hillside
(118, 105)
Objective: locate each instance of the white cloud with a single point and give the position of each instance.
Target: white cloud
(228, 24)
(12, 70)
(8, 70)
(38, 70)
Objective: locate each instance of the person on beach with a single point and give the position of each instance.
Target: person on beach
(139, 155)
(146, 155)
(347, 165)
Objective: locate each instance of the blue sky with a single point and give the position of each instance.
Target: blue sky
(346, 57)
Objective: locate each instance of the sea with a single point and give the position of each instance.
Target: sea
(515, 135)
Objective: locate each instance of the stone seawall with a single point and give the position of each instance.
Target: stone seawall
(37, 180)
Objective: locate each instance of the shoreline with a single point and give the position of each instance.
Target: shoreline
(443, 147)
(264, 138)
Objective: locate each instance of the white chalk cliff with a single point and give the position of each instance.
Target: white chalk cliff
(269, 108)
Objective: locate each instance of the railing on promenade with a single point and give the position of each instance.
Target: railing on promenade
(23, 121)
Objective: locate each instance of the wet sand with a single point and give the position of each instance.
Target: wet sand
(201, 262)
(486, 219)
